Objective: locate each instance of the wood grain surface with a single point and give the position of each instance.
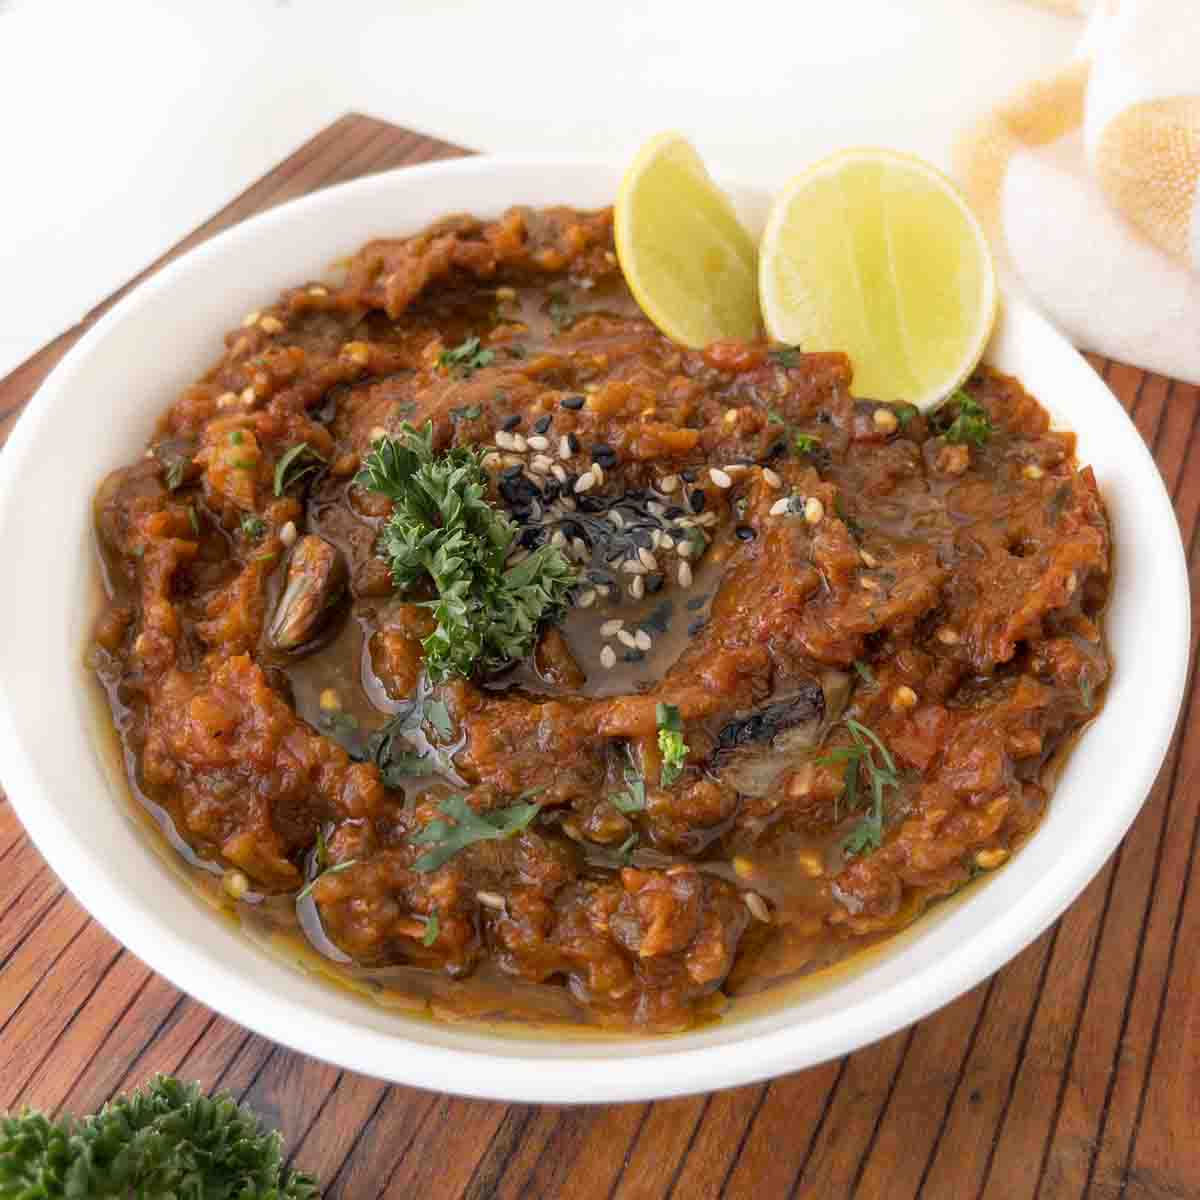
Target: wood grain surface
(1071, 1072)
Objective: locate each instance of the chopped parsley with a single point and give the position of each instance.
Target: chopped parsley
(390, 748)
(444, 530)
(560, 312)
(468, 828)
(466, 358)
(1085, 692)
(633, 798)
(174, 474)
(857, 758)
(296, 462)
(432, 928)
(865, 673)
(854, 526)
(336, 869)
(774, 417)
(786, 356)
(466, 413)
(971, 422)
(670, 742)
(806, 443)
(193, 519)
(253, 526)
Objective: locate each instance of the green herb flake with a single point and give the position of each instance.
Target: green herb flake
(253, 526)
(904, 413)
(193, 520)
(857, 758)
(432, 928)
(237, 437)
(559, 311)
(296, 462)
(774, 417)
(971, 423)
(443, 529)
(466, 413)
(336, 869)
(633, 798)
(854, 526)
(786, 356)
(516, 350)
(806, 443)
(466, 358)
(670, 742)
(865, 673)
(438, 715)
(174, 474)
(468, 828)
(1085, 692)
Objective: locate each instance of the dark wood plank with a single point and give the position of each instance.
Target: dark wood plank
(1065, 1075)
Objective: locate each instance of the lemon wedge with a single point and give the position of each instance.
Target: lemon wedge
(688, 261)
(877, 254)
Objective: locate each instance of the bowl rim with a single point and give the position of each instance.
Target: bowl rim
(616, 1076)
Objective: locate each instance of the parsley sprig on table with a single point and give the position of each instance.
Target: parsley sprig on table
(671, 744)
(859, 757)
(468, 828)
(971, 422)
(444, 530)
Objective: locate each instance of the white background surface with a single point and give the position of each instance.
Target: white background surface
(126, 123)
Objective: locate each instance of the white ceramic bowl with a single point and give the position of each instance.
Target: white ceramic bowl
(96, 412)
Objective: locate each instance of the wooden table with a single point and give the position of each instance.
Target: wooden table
(1072, 1072)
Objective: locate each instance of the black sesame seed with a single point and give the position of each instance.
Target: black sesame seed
(744, 533)
(659, 621)
(824, 418)
(590, 504)
(542, 424)
(641, 538)
(674, 513)
(604, 454)
(654, 583)
(572, 442)
(697, 500)
(512, 472)
(600, 576)
(688, 475)
(510, 423)
(695, 627)
(530, 537)
(518, 493)
(636, 494)
(574, 403)
(678, 532)
(780, 448)
(695, 602)
(633, 656)
(550, 490)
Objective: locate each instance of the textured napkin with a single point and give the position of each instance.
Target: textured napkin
(1088, 184)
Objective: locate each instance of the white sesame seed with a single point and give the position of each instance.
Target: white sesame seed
(490, 900)
(1033, 471)
(330, 701)
(885, 420)
(627, 639)
(666, 541)
(643, 640)
(685, 574)
(611, 628)
(719, 477)
(585, 482)
(648, 559)
(540, 465)
(271, 325)
(668, 484)
(227, 399)
(814, 511)
(707, 520)
(318, 290)
(736, 468)
(656, 537)
(771, 478)
(249, 395)
(904, 697)
(685, 548)
(656, 508)
(250, 319)
(519, 444)
(537, 442)
(580, 548)
(504, 440)
(506, 293)
(287, 535)
(564, 447)
(586, 598)
(780, 507)
(235, 883)
(598, 471)
(535, 511)
(608, 658)
(559, 472)
(615, 517)
(558, 539)
(631, 566)
(637, 589)
(757, 906)
(948, 636)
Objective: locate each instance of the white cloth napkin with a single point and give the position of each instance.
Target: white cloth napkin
(1088, 184)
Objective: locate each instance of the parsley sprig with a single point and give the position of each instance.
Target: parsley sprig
(670, 742)
(444, 530)
(468, 828)
(857, 758)
(971, 422)
(466, 358)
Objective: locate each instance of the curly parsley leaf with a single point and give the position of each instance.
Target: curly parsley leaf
(971, 422)
(443, 529)
(670, 742)
(466, 358)
(296, 462)
(468, 827)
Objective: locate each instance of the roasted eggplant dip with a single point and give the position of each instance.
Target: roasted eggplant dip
(523, 664)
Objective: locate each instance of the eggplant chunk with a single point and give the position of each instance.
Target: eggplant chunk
(316, 582)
